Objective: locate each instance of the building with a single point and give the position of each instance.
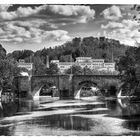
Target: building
(22, 64)
(96, 64)
(83, 59)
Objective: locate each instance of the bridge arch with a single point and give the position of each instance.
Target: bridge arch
(59, 81)
(47, 90)
(87, 80)
(38, 82)
(38, 91)
(86, 83)
(87, 88)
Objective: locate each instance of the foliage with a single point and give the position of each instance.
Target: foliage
(8, 69)
(137, 56)
(89, 46)
(128, 65)
(2, 52)
(41, 69)
(53, 69)
(39, 66)
(76, 70)
(87, 71)
(16, 55)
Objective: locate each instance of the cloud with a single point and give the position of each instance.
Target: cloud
(82, 13)
(112, 24)
(128, 23)
(12, 32)
(40, 23)
(4, 7)
(20, 12)
(112, 13)
(57, 35)
(125, 23)
(125, 35)
(126, 31)
(36, 23)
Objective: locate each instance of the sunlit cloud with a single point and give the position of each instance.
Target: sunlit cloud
(39, 23)
(14, 33)
(112, 13)
(81, 13)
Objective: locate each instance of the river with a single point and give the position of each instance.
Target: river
(46, 116)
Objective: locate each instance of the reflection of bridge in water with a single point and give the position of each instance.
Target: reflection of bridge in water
(67, 85)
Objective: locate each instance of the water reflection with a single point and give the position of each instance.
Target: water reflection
(123, 108)
(5, 132)
(8, 109)
(55, 115)
(67, 122)
(133, 124)
(15, 107)
(25, 106)
(129, 111)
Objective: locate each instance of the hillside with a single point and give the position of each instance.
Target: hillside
(88, 46)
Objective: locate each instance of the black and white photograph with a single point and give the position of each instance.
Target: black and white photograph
(69, 69)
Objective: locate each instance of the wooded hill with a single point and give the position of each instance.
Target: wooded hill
(98, 48)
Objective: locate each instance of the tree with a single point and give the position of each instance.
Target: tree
(125, 63)
(87, 71)
(8, 69)
(66, 58)
(20, 54)
(137, 56)
(53, 69)
(127, 66)
(39, 66)
(2, 52)
(88, 46)
(76, 70)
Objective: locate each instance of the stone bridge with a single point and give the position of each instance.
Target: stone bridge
(63, 82)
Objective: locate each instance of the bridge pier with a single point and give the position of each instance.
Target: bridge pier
(66, 91)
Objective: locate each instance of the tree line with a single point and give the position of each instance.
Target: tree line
(98, 48)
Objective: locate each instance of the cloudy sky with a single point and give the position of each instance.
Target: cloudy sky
(38, 26)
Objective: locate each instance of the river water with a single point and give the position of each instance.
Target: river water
(51, 116)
